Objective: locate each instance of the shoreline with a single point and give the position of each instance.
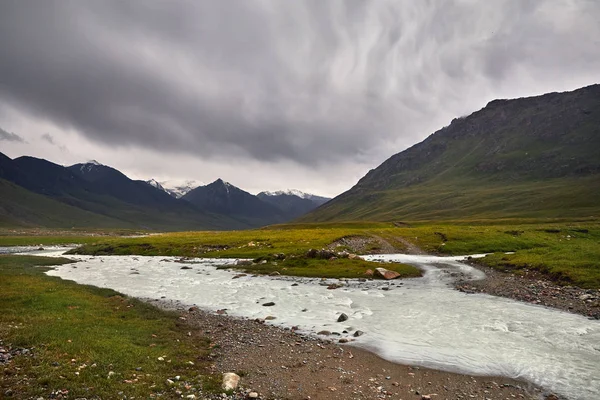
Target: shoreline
(280, 363)
(533, 288)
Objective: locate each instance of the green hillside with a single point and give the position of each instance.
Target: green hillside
(20, 207)
(531, 157)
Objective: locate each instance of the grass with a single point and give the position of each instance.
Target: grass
(338, 268)
(568, 251)
(51, 237)
(89, 341)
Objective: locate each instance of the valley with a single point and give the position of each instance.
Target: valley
(489, 228)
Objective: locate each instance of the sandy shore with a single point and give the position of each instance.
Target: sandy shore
(280, 363)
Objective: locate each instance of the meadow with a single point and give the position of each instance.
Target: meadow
(567, 251)
(81, 340)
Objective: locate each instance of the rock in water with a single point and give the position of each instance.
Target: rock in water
(230, 381)
(386, 273)
(343, 317)
(269, 304)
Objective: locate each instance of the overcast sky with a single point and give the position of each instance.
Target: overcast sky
(275, 94)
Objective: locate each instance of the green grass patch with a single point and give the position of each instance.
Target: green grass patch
(337, 268)
(89, 341)
(568, 251)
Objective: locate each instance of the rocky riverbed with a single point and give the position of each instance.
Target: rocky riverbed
(280, 363)
(532, 287)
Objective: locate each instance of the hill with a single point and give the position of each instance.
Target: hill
(528, 157)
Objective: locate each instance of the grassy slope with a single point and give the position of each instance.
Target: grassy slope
(438, 199)
(20, 207)
(535, 157)
(78, 334)
(568, 251)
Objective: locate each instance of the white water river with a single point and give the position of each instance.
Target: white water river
(419, 321)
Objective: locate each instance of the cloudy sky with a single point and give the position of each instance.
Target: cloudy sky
(271, 94)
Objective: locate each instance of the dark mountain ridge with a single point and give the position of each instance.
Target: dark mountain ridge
(223, 198)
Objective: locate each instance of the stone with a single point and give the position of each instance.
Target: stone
(243, 262)
(230, 381)
(358, 333)
(269, 304)
(239, 276)
(343, 340)
(192, 309)
(369, 272)
(253, 395)
(386, 273)
(324, 333)
(343, 317)
(186, 267)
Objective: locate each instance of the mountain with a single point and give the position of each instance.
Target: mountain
(293, 203)
(92, 195)
(318, 200)
(176, 188)
(223, 198)
(109, 181)
(527, 157)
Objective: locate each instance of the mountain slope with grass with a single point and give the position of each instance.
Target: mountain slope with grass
(528, 157)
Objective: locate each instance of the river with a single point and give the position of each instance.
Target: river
(421, 321)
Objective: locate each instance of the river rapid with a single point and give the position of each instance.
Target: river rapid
(421, 321)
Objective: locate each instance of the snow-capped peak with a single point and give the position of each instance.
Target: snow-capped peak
(290, 192)
(175, 187)
(156, 184)
(88, 166)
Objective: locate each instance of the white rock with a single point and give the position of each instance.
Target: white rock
(253, 395)
(230, 381)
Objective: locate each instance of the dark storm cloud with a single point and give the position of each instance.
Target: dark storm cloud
(10, 136)
(312, 81)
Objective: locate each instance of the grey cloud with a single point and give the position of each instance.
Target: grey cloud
(315, 81)
(48, 138)
(10, 136)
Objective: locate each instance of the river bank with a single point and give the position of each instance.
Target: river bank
(279, 363)
(532, 287)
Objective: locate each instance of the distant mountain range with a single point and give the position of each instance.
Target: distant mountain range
(528, 157)
(37, 192)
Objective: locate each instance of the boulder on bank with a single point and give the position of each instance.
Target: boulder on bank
(386, 273)
(230, 381)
